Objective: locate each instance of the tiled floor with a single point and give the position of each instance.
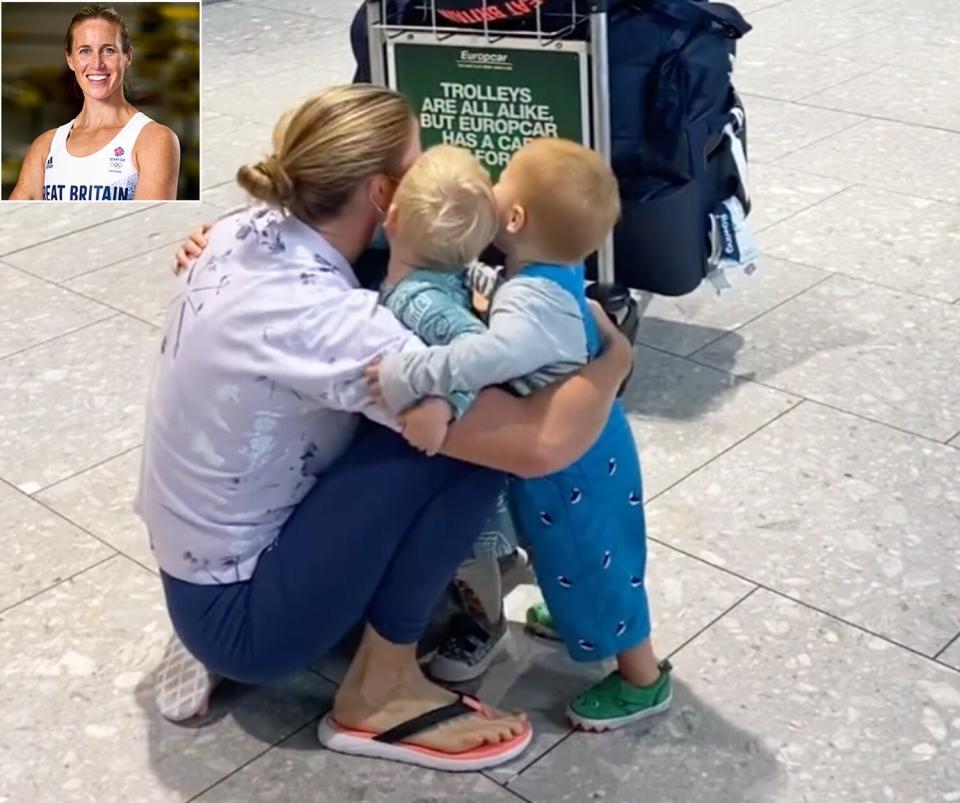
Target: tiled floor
(801, 441)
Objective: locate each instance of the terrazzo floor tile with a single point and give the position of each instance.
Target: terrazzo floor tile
(101, 501)
(75, 402)
(921, 12)
(297, 771)
(143, 286)
(683, 415)
(911, 43)
(229, 143)
(265, 102)
(792, 25)
(221, 71)
(239, 28)
(685, 596)
(39, 547)
(776, 704)
(866, 349)
(783, 74)
(902, 93)
(225, 196)
(33, 311)
(779, 194)
(98, 246)
(77, 668)
(777, 127)
(894, 156)
(846, 515)
(687, 323)
(26, 224)
(906, 243)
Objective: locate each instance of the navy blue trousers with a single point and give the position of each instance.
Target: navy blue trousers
(376, 540)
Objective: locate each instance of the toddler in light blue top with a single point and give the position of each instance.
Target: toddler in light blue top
(556, 203)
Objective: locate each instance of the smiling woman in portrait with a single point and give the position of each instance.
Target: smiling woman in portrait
(110, 151)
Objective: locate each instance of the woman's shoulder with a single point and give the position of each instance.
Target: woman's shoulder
(44, 141)
(157, 138)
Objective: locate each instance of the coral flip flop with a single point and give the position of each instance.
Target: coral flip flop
(390, 745)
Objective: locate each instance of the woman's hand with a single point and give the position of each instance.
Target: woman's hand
(425, 425)
(191, 249)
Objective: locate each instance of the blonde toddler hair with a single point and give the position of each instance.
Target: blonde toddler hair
(445, 209)
(571, 197)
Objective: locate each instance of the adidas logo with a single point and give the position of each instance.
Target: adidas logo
(49, 163)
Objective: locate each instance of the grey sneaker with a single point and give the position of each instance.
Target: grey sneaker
(184, 685)
(468, 650)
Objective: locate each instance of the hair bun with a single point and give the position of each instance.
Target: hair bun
(268, 181)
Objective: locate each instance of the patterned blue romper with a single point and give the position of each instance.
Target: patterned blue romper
(587, 530)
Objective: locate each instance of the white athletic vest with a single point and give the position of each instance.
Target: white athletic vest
(107, 175)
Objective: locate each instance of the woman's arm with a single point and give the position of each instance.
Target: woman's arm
(30, 182)
(158, 162)
(545, 432)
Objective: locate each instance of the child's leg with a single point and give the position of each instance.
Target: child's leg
(475, 638)
(481, 588)
(587, 529)
(639, 666)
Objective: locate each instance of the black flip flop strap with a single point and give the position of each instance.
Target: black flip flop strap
(425, 722)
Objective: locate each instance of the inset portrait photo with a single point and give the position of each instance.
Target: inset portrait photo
(101, 102)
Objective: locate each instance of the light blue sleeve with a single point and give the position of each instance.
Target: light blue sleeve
(437, 319)
(533, 324)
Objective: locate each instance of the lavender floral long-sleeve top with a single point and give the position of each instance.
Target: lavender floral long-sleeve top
(257, 390)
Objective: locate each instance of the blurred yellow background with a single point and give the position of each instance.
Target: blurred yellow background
(40, 92)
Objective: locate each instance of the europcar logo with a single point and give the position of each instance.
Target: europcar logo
(484, 60)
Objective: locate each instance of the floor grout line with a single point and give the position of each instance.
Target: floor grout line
(836, 272)
(878, 66)
(809, 144)
(807, 208)
(805, 604)
(82, 471)
(60, 582)
(810, 399)
(716, 619)
(795, 406)
(830, 275)
(947, 646)
(295, 732)
(115, 314)
(82, 229)
(61, 515)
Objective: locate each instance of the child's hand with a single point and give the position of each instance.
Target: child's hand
(425, 426)
(481, 303)
(191, 249)
(372, 373)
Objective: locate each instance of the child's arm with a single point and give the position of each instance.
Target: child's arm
(434, 318)
(533, 324)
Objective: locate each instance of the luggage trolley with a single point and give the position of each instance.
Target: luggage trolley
(487, 88)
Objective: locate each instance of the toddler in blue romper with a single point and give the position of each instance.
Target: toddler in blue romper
(557, 202)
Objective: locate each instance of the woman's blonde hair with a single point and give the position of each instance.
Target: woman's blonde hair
(446, 211)
(325, 149)
(97, 13)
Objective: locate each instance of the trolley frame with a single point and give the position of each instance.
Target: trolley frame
(594, 87)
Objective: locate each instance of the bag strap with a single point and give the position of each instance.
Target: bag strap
(700, 14)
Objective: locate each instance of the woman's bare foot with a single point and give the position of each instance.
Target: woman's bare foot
(385, 688)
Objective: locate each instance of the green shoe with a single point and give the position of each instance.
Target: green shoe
(613, 703)
(540, 622)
